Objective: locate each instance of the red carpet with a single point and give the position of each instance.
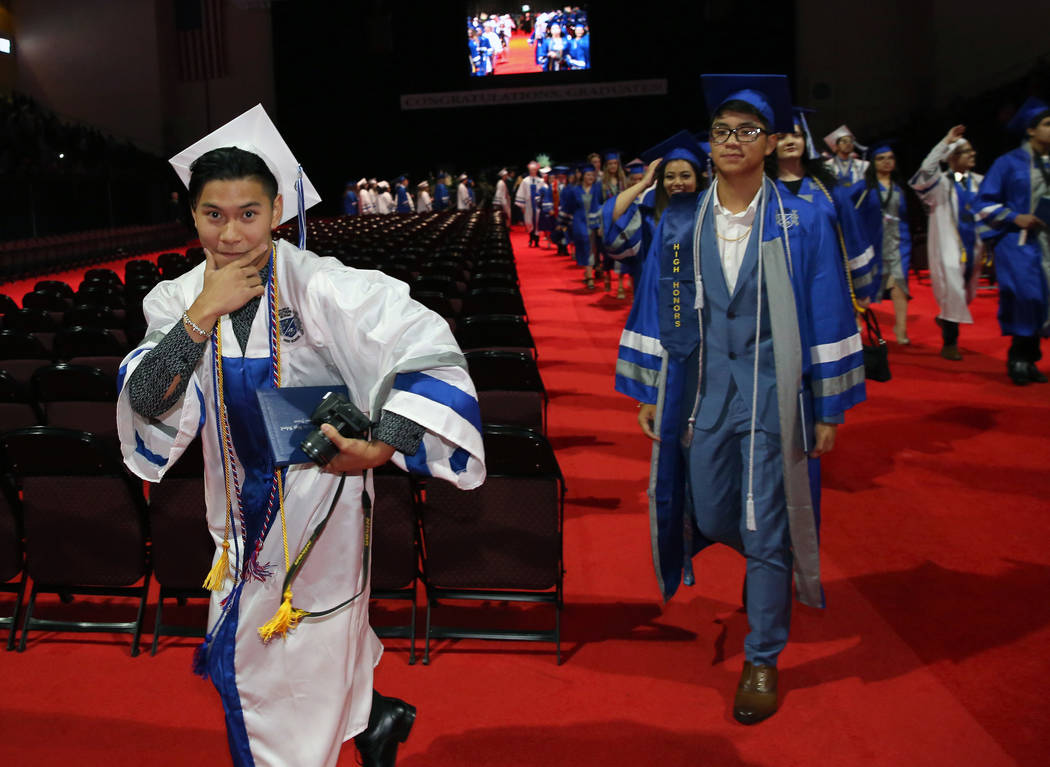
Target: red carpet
(520, 57)
(932, 650)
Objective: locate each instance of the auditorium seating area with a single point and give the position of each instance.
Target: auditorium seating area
(469, 553)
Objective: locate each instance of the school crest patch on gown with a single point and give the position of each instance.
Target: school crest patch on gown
(291, 327)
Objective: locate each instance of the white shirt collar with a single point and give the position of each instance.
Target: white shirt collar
(743, 216)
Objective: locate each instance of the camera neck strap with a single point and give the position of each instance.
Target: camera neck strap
(366, 548)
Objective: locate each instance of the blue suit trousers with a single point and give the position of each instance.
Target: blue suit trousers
(717, 461)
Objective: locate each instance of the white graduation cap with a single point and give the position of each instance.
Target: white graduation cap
(503, 172)
(363, 182)
(422, 185)
(462, 176)
(254, 132)
(832, 138)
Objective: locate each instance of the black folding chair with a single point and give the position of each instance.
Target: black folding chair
(510, 389)
(495, 332)
(183, 549)
(85, 526)
(80, 397)
(12, 556)
(395, 547)
(499, 542)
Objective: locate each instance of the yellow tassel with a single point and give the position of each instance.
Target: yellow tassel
(286, 617)
(220, 571)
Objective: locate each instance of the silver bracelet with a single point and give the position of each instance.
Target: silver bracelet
(200, 331)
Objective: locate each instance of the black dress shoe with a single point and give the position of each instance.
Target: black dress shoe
(1034, 375)
(388, 725)
(1018, 372)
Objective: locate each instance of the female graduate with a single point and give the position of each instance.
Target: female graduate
(954, 251)
(799, 170)
(613, 182)
(881, 204)
(289, 647)
(630, 219)
(580, 215)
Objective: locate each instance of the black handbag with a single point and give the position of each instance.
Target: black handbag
(876, 353)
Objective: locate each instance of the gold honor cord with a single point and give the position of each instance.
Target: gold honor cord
(842, 246)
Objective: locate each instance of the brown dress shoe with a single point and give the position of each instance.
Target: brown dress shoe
(951, 352)
(756, 694)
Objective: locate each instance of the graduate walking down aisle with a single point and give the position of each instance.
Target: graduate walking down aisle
(289, 649)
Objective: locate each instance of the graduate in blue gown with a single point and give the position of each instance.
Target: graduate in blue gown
(404, 199)
(350, 207)
(882, 206)
(580, 215)
(630, 219)
(441, 196)
(800, 170)
(743, 353)
(579, 52)
(1014, 212)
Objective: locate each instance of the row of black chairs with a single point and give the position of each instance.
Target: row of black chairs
(74, 522)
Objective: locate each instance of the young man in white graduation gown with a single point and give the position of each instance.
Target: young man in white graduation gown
(844, 163)
(294, 674)
(954, 251)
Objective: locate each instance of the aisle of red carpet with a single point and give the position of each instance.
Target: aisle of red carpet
(931, 651)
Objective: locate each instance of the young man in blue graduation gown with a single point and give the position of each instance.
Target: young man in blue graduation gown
(404, 199)
(742, 350)
(441, 195)
(1006, 205)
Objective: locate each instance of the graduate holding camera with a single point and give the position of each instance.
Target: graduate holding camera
(294, 674)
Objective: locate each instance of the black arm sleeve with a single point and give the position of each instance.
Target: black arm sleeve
(403, 434)
(176, 355)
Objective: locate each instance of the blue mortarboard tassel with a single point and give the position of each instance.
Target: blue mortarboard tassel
(302, 208)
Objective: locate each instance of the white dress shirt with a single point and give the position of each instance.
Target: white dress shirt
(733, 231)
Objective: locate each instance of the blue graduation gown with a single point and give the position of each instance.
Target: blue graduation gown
(628, 239)
(440, 197)
(581, 221)
(860, 252)
(817, 352)
(404, 202)
(350, 203)
(873, 218)
(1022, 264)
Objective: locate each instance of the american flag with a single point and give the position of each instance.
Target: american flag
(201, 38)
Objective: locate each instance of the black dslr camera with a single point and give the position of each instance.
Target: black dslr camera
(344, 416)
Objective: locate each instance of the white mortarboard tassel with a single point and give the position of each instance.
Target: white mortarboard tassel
(255, 132)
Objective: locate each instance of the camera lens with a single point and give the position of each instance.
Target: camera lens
(319, 448)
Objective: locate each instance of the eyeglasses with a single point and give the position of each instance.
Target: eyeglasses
(744, 134)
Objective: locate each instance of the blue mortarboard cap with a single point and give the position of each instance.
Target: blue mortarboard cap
(801, 119)
(399, 179)
(611, 154)
(681, 146)
(583, 167)
(770, 95)
(635, 166)
(560, 170)
(1030, 109)
(885, 145)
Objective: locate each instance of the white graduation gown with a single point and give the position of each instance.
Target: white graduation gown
(301, 696)
(952, 291)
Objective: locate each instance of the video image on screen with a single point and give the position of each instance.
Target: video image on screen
(526, 41)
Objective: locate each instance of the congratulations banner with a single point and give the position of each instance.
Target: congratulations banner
(499, 96)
